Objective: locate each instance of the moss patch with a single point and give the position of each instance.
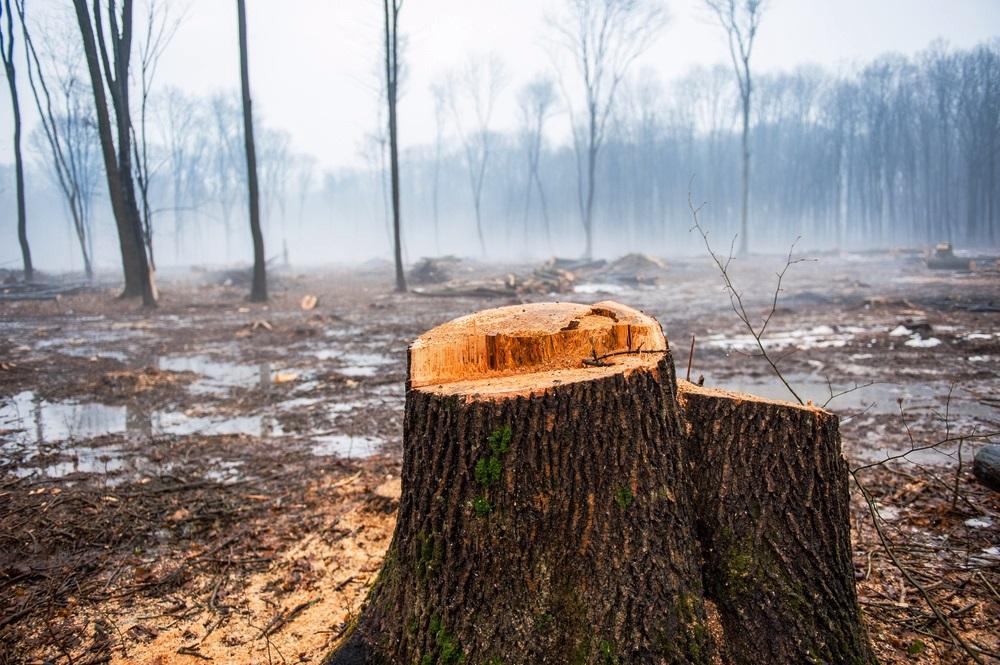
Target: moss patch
(489, 468)
(624, 497)
(448, 650)
(482, 506)
(488, 471)
(428, 555)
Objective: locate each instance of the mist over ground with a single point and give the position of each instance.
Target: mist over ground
(886, 151)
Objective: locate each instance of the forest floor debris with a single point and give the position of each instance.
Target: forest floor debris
(545, 280)
(185, 485)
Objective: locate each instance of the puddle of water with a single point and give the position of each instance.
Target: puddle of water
(225, 471)
(217, 376)
(359, 364)
(346, 446)
(983, 522)
(871, 439)
(351, 405)
(29, 419)
(42, 421)
(179, 424)
(945, 455)
(298, 403)
(98, 460)
(353, 363)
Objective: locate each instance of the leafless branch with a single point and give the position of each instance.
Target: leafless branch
(736, 298)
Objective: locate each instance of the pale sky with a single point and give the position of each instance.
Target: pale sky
(313, 62)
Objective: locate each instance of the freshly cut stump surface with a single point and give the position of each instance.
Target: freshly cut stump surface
(556, 508)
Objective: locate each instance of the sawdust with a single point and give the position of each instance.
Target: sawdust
(294, 611)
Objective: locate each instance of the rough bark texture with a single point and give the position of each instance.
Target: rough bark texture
(391, 11)
(138, 281)
(573, 546)
(596, 515)
(774, 525)
(8, 61)
(258, 290)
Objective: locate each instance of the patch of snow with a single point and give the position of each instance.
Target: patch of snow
(598, 288)
(818, 337)
(979, 336)
(979, 359)
(888, 513)
(983, 522)
(917, 342)
(900, 331)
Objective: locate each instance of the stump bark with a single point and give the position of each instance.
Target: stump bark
(774, 525)
(562, 503)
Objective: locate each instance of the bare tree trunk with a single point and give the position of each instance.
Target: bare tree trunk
(22, 222)
(258, 292)
(118, 169)
(588, 214)
(392, 89)
(745, 194)
(545, 207)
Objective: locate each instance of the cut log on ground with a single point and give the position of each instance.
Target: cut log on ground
(544, 280)
(558, 506)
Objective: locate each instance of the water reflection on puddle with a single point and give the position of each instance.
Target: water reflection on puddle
(34, 432)
(346, 446)
(354, 363)
(31, 419)
(42, 421)
(217, 376)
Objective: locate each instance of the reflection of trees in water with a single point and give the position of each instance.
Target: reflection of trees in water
(138, 421)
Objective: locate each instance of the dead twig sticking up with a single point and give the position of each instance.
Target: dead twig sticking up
(736, 298)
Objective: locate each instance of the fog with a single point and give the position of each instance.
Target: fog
(859, 137)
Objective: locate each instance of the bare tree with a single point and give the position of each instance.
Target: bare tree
(440, 102)
(741, 20)
(477, 86)
(111, 70)
(535, 100)
(68, 127)
(258, 292)
(7, 55)
(305, 175)
(160, 29)
(194, 155)
(228, 158)
(274, 161)
(391, 9)
(603, 38)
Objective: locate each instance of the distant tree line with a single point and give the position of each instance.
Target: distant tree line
(902, 150)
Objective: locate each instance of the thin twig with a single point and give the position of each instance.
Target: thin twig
(736, 299)
(887, 546)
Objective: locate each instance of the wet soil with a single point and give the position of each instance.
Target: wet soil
(218, 480)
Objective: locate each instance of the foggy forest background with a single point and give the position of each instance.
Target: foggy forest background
(899, 151)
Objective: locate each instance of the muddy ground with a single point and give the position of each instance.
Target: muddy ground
(217, 480)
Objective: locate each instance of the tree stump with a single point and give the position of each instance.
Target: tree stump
(774, 525)
(558, 506)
